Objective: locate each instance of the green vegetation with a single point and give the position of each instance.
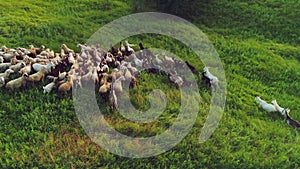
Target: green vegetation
(258, 43)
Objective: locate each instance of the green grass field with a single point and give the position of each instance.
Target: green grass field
(257, 41)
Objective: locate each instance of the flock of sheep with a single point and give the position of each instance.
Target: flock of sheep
(107, 69)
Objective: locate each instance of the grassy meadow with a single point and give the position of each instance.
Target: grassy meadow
(258, 43)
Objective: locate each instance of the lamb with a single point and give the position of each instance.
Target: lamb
(6, 74)
(266, 106)
(66, 86)
(17, 83)
(278, 108)
(213, 80)
(49, 87)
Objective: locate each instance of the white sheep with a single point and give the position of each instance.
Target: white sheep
(117, 85)
(168, 60)
(266, 106)
(37, 67)
(214, 81)
(6, 74)
(1, 59)
(127, 75)
(278, 108)
(17, 66)
(49, 87)
(4, 66)
(17, 83)
(129, 46)
(137, 62)
(114, 100)
(158, 61)
(71, 58)
(2, 81)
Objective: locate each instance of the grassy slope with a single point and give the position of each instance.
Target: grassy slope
(39, 130)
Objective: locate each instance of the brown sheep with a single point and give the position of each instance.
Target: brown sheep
(65, 87)
(38, 76)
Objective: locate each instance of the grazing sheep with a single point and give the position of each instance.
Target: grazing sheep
(289, 119)
(17, 83)
(266, 106)
(27, 69)
(129, 46)
(4, 66)
(213, 80)
(87, 77)
(95, 76)
(104, 88)
(117, 85)
(71, 58)
(137, 62)
(61, 76)
(77, 80)
(158, 61)
(8, 56)
(37, 67)
(175, 78)
(6, 74)
(2, 81)
(49, 87)
(4, 48)
(38, 76)
(66, 49)
(168, 60)
(127, 75)
(1, 59)
(103, 69)
(17, 66)
(278, 108)
(66, 86)
(103, 78)
(113, 100)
